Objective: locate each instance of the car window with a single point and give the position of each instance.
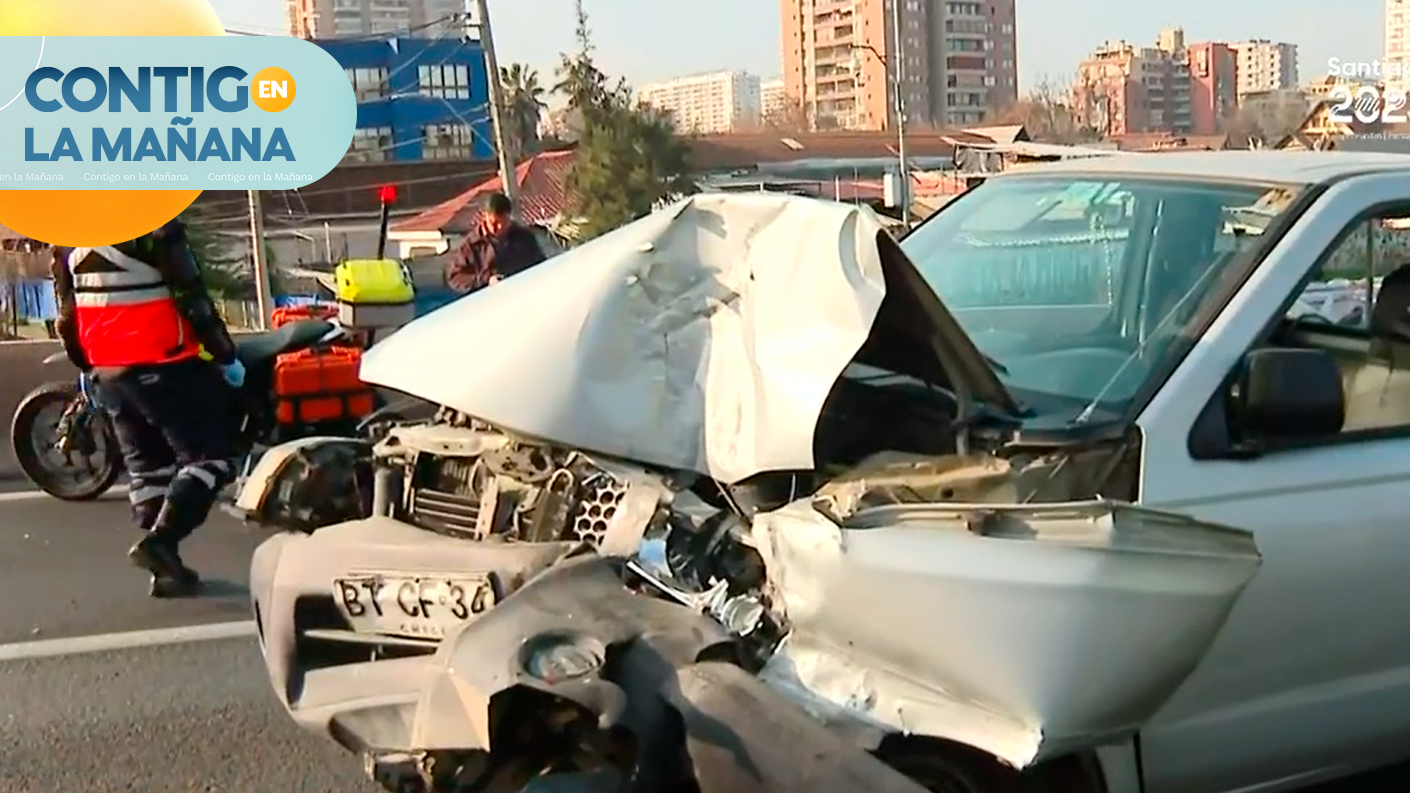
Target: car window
(1076, 285)
(1333, 313)
(1345, 283)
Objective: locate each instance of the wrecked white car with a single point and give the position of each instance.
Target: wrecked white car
(744, 496)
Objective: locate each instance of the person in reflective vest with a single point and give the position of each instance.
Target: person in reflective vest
(135, 318)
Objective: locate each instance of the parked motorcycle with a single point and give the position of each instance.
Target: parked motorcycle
(65, 444)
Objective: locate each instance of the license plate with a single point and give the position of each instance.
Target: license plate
(417, 606)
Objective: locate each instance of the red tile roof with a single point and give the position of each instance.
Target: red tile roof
(543, 196)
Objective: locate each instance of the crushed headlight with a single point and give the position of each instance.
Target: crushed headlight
(554, 658)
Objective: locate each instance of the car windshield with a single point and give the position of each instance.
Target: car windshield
(1076, 288)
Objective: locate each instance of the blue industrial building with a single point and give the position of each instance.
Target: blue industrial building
(417, 99)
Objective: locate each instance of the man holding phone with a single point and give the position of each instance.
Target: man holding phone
(496, 249)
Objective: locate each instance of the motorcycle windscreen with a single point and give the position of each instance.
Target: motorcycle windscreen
(1026, 631)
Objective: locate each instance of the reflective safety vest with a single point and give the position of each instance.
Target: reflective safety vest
(126, 314)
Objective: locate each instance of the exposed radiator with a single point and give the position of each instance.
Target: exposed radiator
(444, 512)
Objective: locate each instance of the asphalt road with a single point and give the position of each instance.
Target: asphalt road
(193, 717)
(176, 718)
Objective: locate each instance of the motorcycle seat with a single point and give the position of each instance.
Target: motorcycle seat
(261, 348)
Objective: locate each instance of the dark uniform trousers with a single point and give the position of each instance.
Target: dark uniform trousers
(172, 423)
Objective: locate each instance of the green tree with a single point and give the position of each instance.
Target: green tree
(227, 273)
(628, 157)
(524, 105)
(223, 270)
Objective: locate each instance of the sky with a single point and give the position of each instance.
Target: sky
(650, 40)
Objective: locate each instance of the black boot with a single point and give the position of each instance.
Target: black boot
(170, 575)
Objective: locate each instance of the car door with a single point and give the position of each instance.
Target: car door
(1310, 676)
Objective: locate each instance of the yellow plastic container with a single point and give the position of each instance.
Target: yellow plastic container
(374, 293)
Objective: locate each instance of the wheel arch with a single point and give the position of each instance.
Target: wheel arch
(1090, 771)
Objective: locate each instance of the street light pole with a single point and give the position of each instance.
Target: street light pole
(480, 9)
(264, 294)
(904, 177)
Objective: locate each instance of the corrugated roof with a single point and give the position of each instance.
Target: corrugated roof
(543, 197)
(1006, 133)
(713, 153)
(1162, 141)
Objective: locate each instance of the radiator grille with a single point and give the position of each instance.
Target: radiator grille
(444, 512)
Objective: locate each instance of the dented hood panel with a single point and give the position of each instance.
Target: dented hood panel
(1024, 631)
(704, 337)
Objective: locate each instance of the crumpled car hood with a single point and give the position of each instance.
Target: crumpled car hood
(704, 337)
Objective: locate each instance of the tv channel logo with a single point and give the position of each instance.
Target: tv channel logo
(177, 112)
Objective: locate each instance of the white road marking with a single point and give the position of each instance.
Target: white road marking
(130, 640)
(35, 495)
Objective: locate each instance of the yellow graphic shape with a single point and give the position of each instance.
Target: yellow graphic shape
(89, 218)
(272, 89)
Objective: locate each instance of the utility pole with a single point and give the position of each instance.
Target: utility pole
(263, 292)
(478, 10)
(899, 57)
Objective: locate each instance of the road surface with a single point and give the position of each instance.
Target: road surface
(168, 717)
(101, 692)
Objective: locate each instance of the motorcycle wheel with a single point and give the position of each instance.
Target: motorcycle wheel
(60, 480)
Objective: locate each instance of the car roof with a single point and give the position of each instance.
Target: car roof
(1281, 167)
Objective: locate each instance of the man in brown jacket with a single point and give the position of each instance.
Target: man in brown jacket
(496, 249)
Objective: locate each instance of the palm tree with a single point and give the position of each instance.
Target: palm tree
(524, 105)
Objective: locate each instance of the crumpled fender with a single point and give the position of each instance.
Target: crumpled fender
(739, 735)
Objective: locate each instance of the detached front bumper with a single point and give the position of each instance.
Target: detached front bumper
(365, 703)
(574, 635)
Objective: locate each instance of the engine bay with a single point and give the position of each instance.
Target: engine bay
(684, 535)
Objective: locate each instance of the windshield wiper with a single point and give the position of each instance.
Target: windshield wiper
(995, 365)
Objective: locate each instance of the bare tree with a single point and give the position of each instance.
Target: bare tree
(790, 116)
(1048, 113)
(1264, 126)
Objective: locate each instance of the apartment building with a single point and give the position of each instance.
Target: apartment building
(420, 99)
(772, 96)
(1264, 65)
(955, 63)
(1123, 89)
(1213, 85)
(708, 103)
(330, 19)
(1395, 61)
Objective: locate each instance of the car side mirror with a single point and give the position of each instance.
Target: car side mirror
(1286, 394)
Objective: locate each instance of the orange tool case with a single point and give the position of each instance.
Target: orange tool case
(283, 316)
(315, 386)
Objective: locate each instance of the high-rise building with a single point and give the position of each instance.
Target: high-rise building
(1213, 85)
(841, 58)
(1395, 62)
(708, 103)
(1264, 65)
(330, 19)
(1122, 89)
